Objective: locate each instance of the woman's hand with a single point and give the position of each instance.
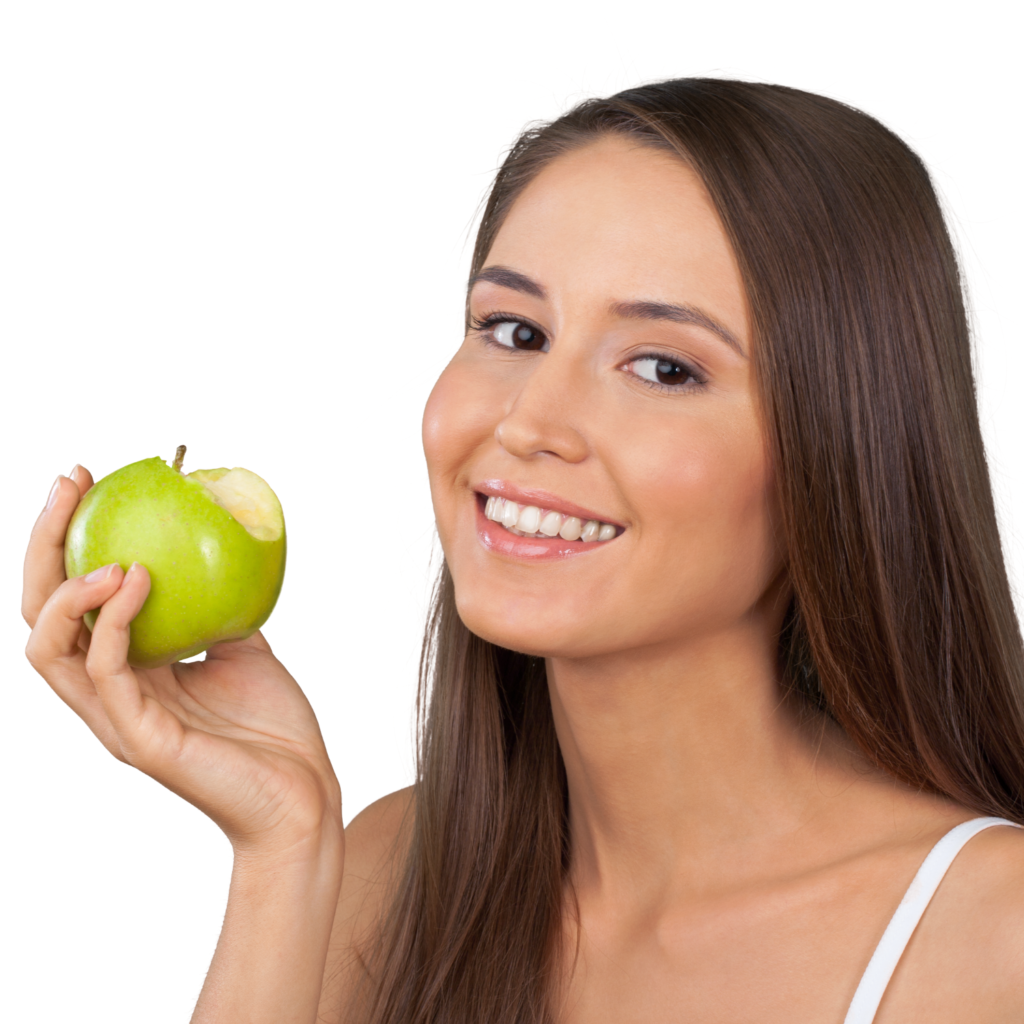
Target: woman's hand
(234, 735)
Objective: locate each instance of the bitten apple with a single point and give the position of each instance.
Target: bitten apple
(213, 542)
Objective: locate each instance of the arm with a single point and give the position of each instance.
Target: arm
(269, 963)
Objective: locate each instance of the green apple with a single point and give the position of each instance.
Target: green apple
(213, 542)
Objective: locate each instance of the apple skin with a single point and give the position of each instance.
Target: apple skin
(212, 580)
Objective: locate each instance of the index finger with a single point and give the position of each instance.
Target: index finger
(44, 560)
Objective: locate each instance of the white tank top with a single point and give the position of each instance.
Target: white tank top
(892, 943)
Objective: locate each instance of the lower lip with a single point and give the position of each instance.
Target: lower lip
(496, 538)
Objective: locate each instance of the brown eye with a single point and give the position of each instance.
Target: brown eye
(660, 371)
(518, 335)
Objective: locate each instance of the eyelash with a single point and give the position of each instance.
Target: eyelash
(697, 380)
(486, 323)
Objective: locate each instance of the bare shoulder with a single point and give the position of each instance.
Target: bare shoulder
(986, 887)
(374, 838)
(966, 959)
(986, 883)
(375, 844)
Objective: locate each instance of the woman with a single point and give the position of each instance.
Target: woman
(723, 645)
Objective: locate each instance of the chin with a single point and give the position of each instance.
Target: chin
(496, 627)
(540, 629)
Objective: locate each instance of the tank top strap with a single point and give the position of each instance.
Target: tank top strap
(894, 940)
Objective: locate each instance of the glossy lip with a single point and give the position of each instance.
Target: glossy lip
(495, 538)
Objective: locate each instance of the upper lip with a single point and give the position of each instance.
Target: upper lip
(541, 499)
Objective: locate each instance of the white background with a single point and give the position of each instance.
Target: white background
(246, 227)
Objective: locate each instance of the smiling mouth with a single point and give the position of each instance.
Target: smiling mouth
(545, 524)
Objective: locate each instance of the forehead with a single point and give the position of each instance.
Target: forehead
(616, 220)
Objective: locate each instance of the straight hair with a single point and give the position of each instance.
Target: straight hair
(902, 626)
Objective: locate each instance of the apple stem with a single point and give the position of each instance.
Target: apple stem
(179, 457)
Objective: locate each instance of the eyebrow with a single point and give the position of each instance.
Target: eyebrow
(509, 278)
(677, 315)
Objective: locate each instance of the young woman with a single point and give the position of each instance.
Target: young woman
(723, 650)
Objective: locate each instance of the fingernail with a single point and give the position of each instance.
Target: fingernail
(100, 574)
(74, 469)
(54, 491)
(129, 573)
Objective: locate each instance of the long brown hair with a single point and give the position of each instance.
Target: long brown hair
(902, 626)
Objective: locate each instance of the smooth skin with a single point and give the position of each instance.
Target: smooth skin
(734, 859)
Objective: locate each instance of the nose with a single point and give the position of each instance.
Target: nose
(546, 415)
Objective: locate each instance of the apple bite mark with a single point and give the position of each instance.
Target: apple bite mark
(247, 497)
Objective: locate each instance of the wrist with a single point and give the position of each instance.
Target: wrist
(315, 849)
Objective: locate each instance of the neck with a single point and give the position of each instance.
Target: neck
(686, 761)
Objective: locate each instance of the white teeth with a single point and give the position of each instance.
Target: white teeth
(509, 515)
(571, 528)
(551, 524)
(531, 521)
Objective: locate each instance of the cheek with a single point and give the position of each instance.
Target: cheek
(461, 415)
(704, 508)
(452, 421)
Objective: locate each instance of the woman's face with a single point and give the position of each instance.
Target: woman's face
(607, 378)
